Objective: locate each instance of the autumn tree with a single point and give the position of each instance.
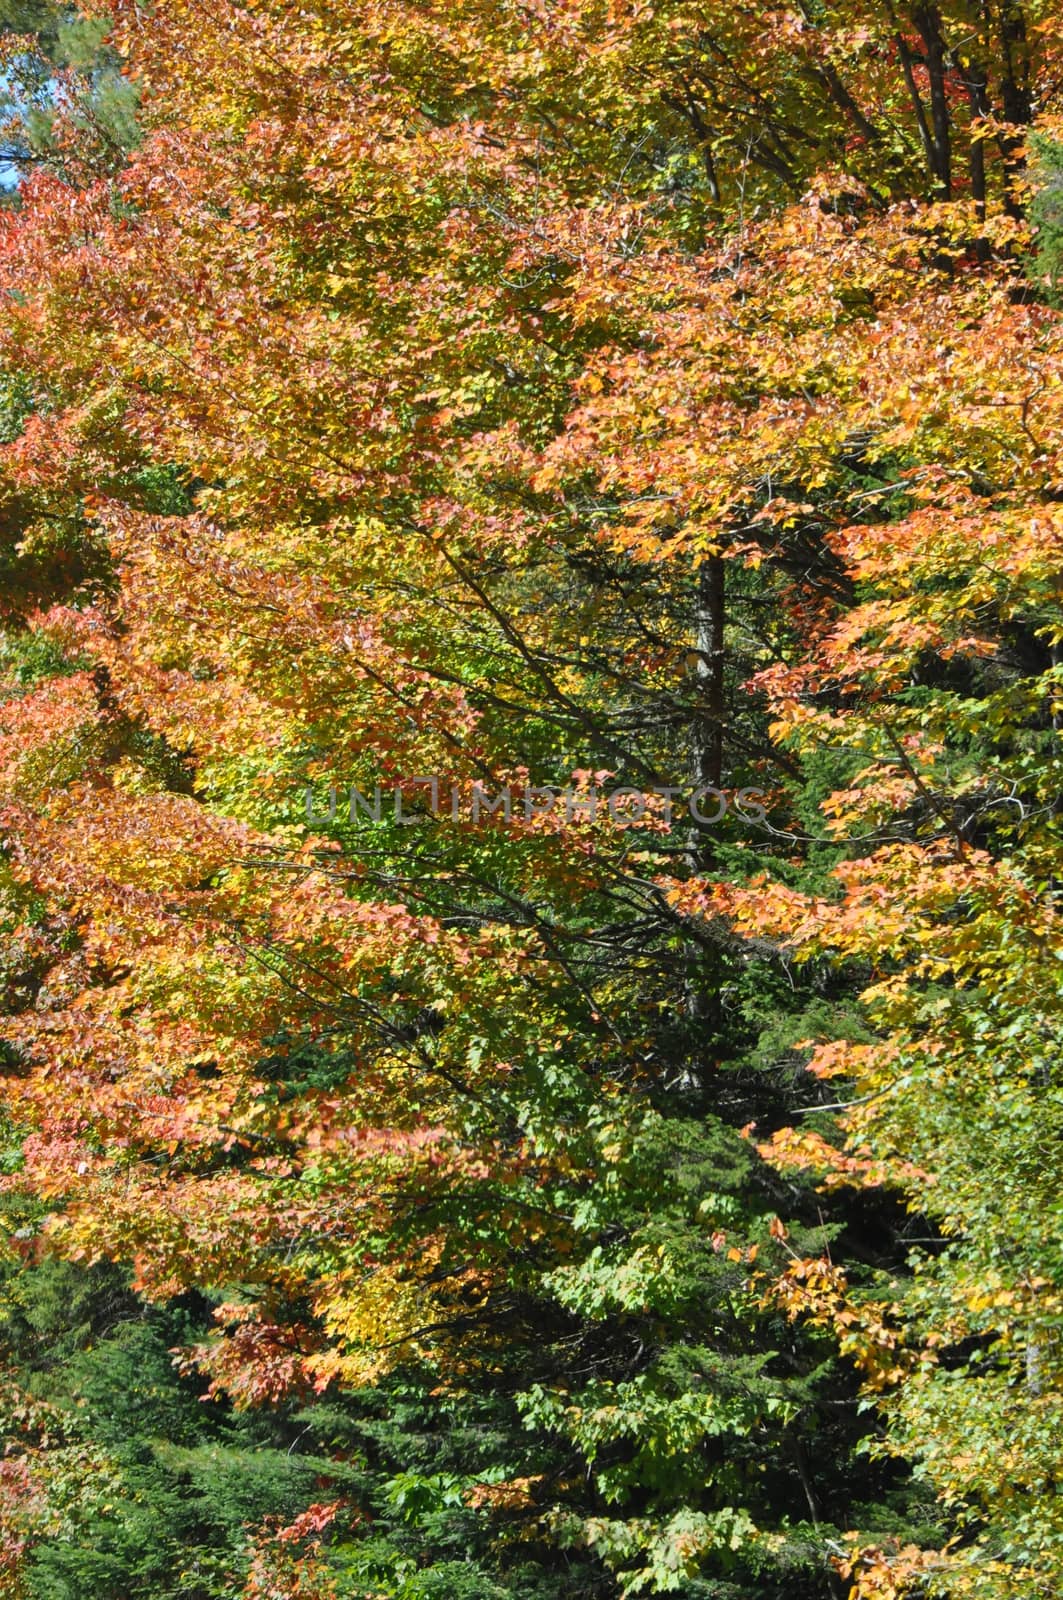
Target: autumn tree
(610, 396)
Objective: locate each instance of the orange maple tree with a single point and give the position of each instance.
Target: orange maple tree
(447, 391)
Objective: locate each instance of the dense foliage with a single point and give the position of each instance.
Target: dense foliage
(405, 1194)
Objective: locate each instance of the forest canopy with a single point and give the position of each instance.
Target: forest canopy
(531, 800)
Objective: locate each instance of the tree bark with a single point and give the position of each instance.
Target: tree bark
(710, 615)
